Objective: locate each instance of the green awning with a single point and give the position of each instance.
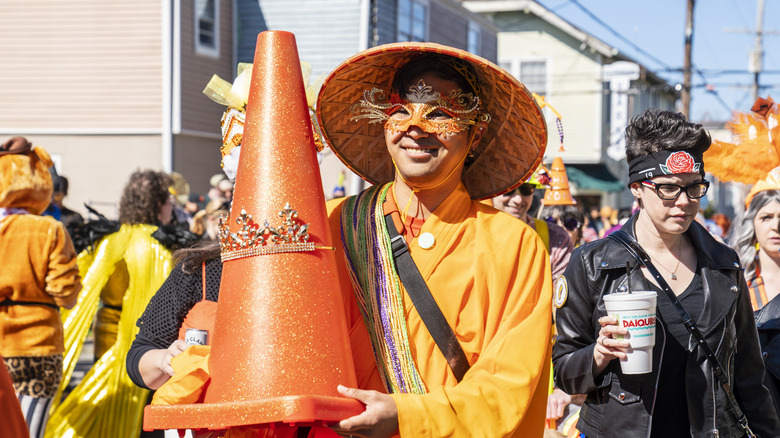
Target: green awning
(593, 177)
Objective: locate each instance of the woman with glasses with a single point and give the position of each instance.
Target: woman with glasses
(756, 238)
(683, 394)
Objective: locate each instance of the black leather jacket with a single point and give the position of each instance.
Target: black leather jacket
(768, 323)
(621, 405)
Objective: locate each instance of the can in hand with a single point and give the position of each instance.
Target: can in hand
(196, 337)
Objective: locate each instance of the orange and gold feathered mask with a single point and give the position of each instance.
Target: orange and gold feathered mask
(756, 148)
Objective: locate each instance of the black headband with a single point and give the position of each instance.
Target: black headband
(664, 163)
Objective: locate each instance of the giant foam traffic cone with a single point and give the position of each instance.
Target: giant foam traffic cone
(280, 344)
(558, 193)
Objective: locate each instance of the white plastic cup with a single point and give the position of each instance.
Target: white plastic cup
(635, 312)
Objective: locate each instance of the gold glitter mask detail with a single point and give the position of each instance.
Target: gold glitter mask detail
(421, 107)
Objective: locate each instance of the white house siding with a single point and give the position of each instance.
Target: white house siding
(326, 32)
(80, 66)
(83, 79)
(574, 82)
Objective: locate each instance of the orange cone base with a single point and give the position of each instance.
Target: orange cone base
(219, 416)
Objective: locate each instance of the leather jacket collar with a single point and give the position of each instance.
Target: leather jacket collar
(716, 267)
(701, 239)
(768, 317)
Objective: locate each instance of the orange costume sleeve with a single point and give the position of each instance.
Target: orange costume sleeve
(490, 275)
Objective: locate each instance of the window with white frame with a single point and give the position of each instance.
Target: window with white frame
(207, 27)
(412, 20)
(473, 38)
(532, 73)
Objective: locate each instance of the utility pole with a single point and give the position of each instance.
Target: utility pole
(685, 95)
(757, 56)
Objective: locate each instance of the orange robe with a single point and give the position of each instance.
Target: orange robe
(490, 275)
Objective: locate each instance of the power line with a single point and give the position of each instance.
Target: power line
(714, 72)
(617, 34)
(666, 67)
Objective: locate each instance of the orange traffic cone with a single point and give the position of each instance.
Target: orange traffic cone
(558, 193)
(280, 344)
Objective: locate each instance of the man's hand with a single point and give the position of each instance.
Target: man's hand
(173, 350)
(379, 420)
(556, 403)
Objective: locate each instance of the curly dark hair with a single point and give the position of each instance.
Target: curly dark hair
(143, 196)
(656, 130)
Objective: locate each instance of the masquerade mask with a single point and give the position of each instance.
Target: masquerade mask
(421, 107)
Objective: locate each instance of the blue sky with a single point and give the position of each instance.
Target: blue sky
(656, 27)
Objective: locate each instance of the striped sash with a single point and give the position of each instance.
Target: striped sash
(378, 289)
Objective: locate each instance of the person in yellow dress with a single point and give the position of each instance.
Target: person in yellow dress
(436, 129)
(123, 270)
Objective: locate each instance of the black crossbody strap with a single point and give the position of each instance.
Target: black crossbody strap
(641, 256)
(426, 306)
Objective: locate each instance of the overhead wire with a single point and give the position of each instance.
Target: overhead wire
(666, 67)
(663, 67)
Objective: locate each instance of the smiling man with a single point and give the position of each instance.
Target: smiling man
(556, 239)
(435, 129)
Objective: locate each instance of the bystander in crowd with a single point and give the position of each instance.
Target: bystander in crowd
(39, 276)
(689, 390)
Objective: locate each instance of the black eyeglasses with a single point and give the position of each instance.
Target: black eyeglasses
(570, 223)
(669, 192)
(526, 189)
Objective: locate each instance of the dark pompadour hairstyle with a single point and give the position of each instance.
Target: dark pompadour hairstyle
(656, 130)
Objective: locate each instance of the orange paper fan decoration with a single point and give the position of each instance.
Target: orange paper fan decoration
(756, 148)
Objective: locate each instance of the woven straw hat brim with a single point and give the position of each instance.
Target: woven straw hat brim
(505, 157)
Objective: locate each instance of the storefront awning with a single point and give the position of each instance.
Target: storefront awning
(593, 177)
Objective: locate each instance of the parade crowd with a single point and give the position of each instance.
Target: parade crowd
(517, 342)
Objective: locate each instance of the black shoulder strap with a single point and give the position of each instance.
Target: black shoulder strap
(426, 306)
(633, 248)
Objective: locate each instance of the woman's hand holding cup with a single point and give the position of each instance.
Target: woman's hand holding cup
(607, 347)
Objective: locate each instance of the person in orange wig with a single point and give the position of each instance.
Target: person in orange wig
(39, 276)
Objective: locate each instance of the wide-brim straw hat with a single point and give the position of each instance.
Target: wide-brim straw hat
(508, 153)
